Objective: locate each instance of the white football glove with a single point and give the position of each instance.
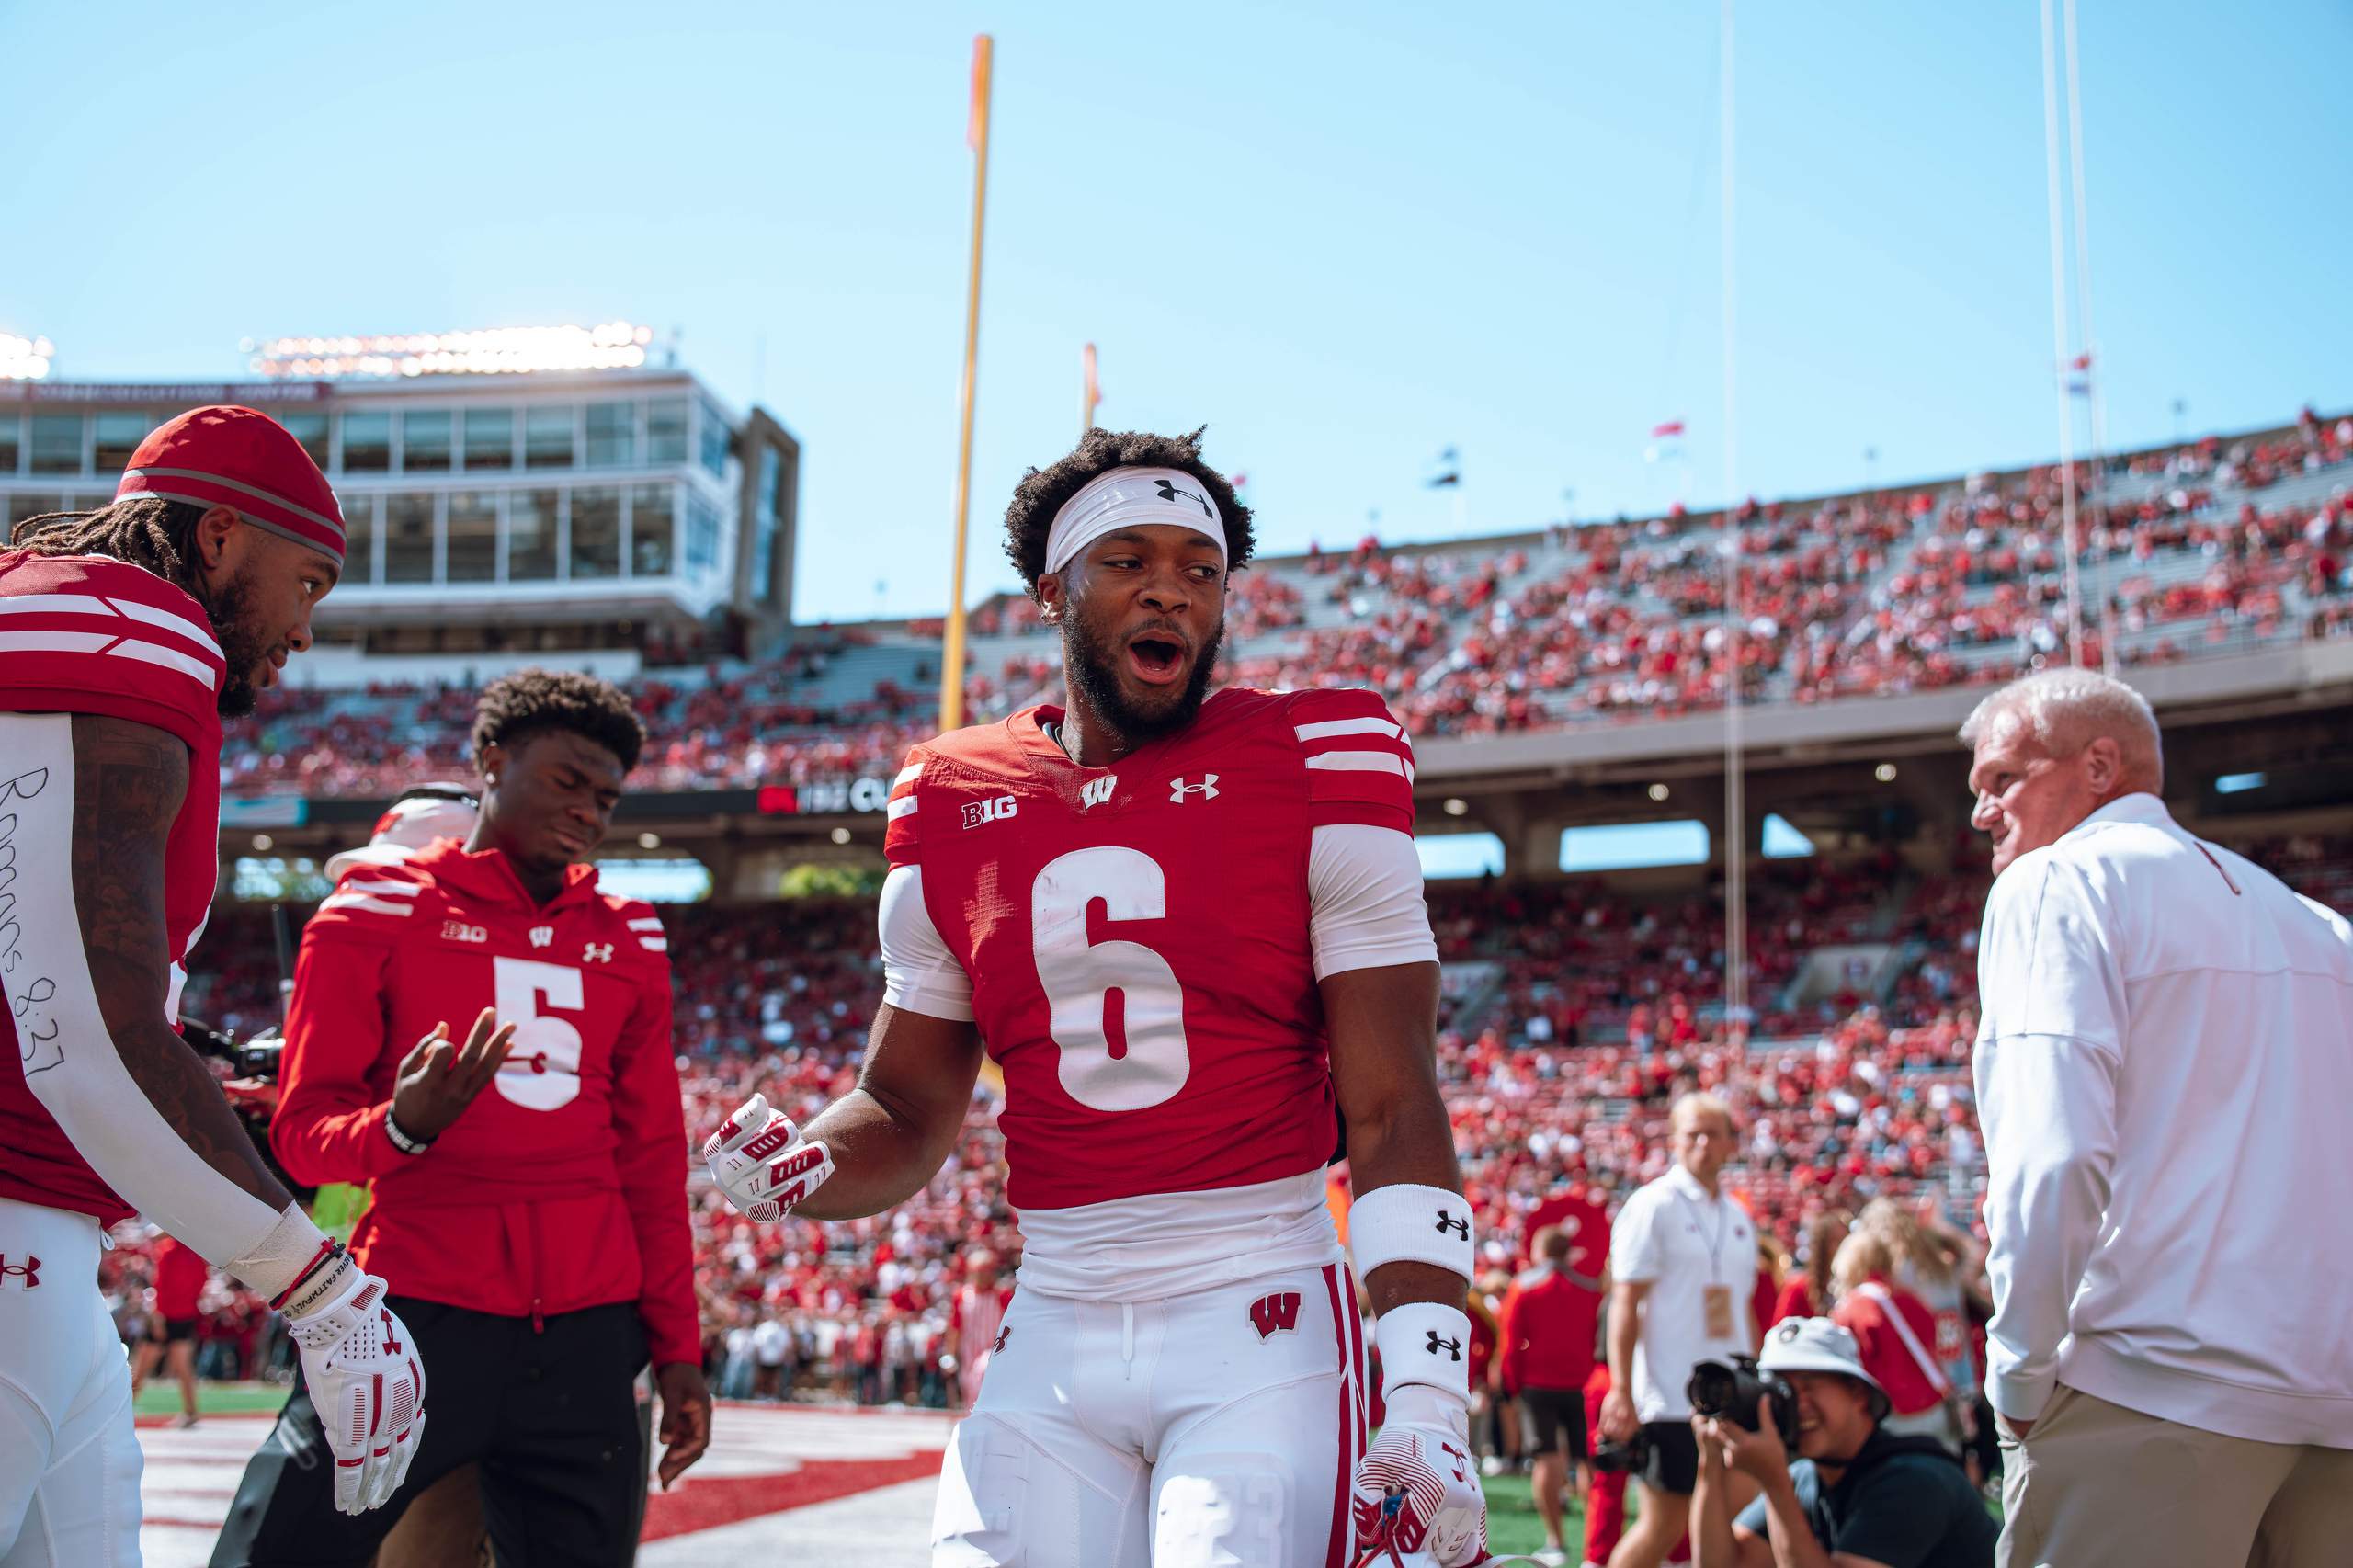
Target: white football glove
(364, 1378)
(762, 1164)
(1416, 1489)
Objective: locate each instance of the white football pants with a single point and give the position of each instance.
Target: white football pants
(69, 1460)
(1218, 1429)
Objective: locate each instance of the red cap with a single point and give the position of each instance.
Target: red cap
(227, 456)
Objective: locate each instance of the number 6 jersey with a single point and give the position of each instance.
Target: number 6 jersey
(1140, 946)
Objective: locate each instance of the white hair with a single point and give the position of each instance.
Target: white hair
(2068, 710)
(1699, 1103)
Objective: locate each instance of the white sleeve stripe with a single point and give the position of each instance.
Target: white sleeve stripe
(1325, 729)
(650, 923)
(361, 884)
(920, 972)
(1363, 761)
(168, 621)
(906, 774)
(358, 901)
(108, 610)
(903, 806)
(653, 944)
(106, 644)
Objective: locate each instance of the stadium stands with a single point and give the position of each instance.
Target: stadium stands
(2207, 548)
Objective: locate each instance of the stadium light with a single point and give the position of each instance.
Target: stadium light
(24, 358)
(840, 836)
(1884, 773)
(649, 841)
(1455, 806)
(264, 844)
(506, 350)
(1658, 791)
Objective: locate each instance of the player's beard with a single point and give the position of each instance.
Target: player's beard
(1090, 666)
(242, 648)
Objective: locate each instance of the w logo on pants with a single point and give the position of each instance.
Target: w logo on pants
(1278, 1313)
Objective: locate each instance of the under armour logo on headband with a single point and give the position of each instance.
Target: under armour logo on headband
(1169, 491)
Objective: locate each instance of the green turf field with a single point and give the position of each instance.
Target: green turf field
(161, 1396)
(1512, 1523)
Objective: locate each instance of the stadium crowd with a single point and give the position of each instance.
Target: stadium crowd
(1887, 592)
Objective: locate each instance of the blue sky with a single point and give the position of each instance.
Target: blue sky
(1344, 237)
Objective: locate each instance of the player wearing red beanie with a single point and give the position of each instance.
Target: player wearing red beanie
(125, 634)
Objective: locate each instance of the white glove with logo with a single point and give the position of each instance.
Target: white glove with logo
(364, 1379)
(761, 1162)
(1415, 1490)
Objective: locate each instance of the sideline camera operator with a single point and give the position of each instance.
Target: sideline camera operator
(1858, 1497)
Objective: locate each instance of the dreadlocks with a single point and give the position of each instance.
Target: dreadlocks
(143, 530)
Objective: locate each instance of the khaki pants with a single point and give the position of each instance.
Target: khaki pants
(2097, 1485)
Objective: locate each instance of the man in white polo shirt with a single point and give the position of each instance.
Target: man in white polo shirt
(1683, 1256)
(2164, 1066)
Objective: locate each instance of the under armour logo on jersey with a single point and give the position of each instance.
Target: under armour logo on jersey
(997, 1346)
(1169, 491)
(1278, 1313)
(1460, 1227)
(28, 1270)
(391, 1345)
(1205, 789)
(542, 934)
(1098, 791)
(1453, 1347)
(597, 953)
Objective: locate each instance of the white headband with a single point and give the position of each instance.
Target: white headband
(1124, 497)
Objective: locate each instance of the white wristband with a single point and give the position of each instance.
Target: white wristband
(1422, 1342)
(1411, 1225)
(275, 1262)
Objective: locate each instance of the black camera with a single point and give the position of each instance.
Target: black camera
(1732, 1392)
(1630, 1457)
(256, 1058)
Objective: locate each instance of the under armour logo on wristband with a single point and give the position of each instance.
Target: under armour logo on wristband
(1453, 1347)
(28, 1270)
(1460, 1227)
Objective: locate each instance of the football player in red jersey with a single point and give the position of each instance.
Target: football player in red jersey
(125, 634)
(532, 1200)
(1189, 928)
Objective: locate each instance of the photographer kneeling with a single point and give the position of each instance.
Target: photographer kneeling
(1856, 1497)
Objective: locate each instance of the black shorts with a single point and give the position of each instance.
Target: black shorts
(1675, 1457)
(178, 1329)
(552, 1417)
(1553, 1421)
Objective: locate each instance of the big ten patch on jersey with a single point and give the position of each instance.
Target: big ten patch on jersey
(1137, 937)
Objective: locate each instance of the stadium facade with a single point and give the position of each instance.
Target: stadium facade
(495, 518)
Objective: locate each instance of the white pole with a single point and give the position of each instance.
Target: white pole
(2059, 341)
(1735, 793)
(2095, 367)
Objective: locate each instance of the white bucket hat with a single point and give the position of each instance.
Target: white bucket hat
(1816, 1344)
(415, 820)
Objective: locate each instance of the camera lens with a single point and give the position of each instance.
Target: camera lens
(1710, 1390)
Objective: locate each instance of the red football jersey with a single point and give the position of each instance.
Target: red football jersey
(1137, 935)
(1550, 1318)
(90, 634)
(562, 1186)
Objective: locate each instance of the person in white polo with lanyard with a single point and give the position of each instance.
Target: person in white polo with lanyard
(2164, 1065)
(1683, 1256)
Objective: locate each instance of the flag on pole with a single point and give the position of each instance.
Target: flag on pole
(976, 123)
(2081, 362)
(1449, 470)
(1673, 427)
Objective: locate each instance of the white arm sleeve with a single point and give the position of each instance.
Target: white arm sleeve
(918, 972)
(1365, 904)
(70, 1061)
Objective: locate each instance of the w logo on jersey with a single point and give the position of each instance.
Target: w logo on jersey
(1098, 791)
(1278, 1313)
(1205, 789)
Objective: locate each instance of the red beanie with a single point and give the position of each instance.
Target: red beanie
(227, 456)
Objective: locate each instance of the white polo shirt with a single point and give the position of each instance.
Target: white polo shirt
(2164, 1075)
(1683, 1244)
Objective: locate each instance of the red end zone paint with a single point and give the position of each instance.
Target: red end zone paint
(696, 1504)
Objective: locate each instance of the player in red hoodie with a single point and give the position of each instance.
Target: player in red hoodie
(541, 1227)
